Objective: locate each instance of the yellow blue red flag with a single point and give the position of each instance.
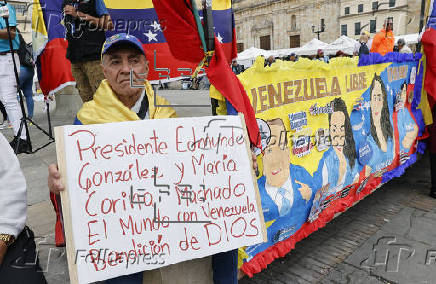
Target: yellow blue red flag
(54, 69)
(140, 19)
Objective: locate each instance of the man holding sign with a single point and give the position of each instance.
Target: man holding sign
(119, 99)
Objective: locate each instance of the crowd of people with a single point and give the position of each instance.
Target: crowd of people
(382, 43)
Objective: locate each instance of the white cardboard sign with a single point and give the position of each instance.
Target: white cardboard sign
(145, 194)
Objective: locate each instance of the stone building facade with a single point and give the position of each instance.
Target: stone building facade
(370, 16)
(23, 10)
(283, 23)
(276, 24)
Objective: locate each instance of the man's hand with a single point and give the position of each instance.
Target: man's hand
(70, 10)
(254, 159)
(305, 190)
(54, 179)
(3, 250)
(104, 22)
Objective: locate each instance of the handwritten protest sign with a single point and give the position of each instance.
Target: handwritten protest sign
(145, 194)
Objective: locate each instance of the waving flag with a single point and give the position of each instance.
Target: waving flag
(136, 17)
(177, 16)
(50, 46)
(140, 19)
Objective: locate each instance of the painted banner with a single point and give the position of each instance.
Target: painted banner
(330, 134)
(157, 193)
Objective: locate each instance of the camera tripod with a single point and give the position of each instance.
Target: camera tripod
(25, 119)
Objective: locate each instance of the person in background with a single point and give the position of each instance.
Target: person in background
(8, 82)
(27, 72)
(85, 25)
(362, 46)
(18, 258)
(320, 56)
(269, 61)
(340, 53)
(293, 57)
(432, 148)
(237, 68)
(402, 46)
(384, 40)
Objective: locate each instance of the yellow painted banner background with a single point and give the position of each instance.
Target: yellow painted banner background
(296, 86)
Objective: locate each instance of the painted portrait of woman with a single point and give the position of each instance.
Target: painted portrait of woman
(407, 128)
(381, 130)
(338, 167)
(338, 164)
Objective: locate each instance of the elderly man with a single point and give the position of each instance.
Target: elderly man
(117, 100)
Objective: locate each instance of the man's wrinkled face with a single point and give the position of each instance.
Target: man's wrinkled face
(337, 130)
(117, 65)
(376, 101)
(276, 158)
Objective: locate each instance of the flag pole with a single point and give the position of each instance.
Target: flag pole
(207, 36)
(208, 24)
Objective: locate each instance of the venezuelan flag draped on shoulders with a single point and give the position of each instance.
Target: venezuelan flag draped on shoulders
(50, 46)
(106, 107)
(139, 18)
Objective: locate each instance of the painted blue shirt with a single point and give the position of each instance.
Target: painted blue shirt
(284, 226)
(4, 43)
(328, 172)
(405, 124)
(380, 159)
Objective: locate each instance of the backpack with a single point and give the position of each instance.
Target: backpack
(25, 53)
(363, 49)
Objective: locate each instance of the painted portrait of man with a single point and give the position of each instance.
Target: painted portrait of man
(277, 171)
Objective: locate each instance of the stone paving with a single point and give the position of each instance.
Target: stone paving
(389, 237)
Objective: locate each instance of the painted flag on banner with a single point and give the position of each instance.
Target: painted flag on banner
(50, 46)
(140, 19)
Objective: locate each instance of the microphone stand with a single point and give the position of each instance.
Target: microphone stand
(24, 118)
